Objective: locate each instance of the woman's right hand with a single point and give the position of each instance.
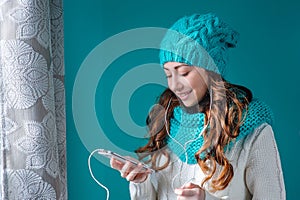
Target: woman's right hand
(130, 171)
(190, 191)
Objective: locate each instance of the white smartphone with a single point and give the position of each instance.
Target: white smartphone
(110, 154)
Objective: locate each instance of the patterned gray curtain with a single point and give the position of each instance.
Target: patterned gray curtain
(32, 100)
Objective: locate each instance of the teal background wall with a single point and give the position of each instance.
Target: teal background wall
(266, 61)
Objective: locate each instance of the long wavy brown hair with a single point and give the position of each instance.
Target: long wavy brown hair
(223, 105)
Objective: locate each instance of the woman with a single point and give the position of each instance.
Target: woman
(208, 139)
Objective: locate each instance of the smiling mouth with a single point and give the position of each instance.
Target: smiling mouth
(184, 95)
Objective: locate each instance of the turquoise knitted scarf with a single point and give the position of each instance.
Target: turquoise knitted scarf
(185, 129)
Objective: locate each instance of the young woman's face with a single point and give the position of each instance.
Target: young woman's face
(186, 82)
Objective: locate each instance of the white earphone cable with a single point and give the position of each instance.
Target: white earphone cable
(185, 144)
(91, 172)
(205, 127)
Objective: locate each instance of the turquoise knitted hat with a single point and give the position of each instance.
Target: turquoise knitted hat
(199, 40)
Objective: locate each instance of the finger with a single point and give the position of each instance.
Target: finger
(190, 185)
(137, 174)
(188, 192)
(183, 198)
(131, 176)
(127, 167)
(116, 164)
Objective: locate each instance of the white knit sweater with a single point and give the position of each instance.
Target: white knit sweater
(257, 173)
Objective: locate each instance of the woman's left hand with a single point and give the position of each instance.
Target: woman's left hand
(190, 191)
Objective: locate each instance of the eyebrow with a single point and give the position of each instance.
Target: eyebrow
(178, 66)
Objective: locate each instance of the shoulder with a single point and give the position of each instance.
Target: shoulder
(261, 140)
(261, 131)
(242, 147)
(246, 143)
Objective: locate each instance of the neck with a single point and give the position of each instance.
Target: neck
(194, 109)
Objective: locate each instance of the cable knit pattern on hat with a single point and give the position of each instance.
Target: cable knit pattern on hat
(199, 40)
(185, 129)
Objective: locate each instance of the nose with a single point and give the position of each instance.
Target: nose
(175, 84)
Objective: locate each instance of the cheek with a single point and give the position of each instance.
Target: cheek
(195, 83)
(200, 93)
(169, 84)
(200, 88)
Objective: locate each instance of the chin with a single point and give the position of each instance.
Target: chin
(191, 107)
(189, 103)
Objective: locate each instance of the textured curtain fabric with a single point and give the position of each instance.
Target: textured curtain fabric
(32, 100)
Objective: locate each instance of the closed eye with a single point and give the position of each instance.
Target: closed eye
(185, 74)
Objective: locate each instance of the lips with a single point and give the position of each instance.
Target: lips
(184, 95)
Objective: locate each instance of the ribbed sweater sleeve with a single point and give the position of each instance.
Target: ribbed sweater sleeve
(145, 190)
(263, 170)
